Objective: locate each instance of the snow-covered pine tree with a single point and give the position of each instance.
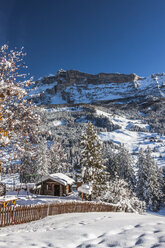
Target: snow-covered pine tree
(119, 192)
(58, 159)
(148, 186)
(28, 170)
(153, 191)
(126, 168)
(113, 166)
(142, 175)
(121, 164)
(43, 159)
(161, 183)
(93, 170)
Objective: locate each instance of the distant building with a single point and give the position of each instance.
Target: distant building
(85, 190)
(57, 184)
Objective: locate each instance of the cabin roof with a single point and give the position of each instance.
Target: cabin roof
(58, 177)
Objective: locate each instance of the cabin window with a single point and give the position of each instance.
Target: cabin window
(49, 187)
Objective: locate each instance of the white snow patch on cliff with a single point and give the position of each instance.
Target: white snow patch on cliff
(57, 99)
(58, 123)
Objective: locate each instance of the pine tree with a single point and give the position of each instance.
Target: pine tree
(119, 192)
(28, 170)
(153, 192)
(58, 159)
(93, 171)
(142, 175)
(121, 164)
(148, 187)
(113, 166)
(163, 181)
(43, 158)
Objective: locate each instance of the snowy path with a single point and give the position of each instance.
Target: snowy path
(82, 230)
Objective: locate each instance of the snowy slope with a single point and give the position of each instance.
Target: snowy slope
(82, 230)
(132, 140)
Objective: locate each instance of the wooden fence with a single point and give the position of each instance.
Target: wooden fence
(21, 214)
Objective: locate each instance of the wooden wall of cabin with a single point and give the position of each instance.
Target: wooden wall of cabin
(53, 188)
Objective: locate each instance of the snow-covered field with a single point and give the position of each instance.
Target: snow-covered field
(30, 199)
(82, 230)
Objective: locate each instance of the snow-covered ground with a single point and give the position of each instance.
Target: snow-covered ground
(132, 140)
(42, 88)
(24, 198)
(82, 230)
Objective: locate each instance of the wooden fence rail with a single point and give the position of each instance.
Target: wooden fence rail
(13, 215)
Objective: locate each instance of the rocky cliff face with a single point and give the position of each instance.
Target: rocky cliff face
(77, 87)
(77, 77)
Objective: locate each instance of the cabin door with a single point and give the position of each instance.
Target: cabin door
(57, 190)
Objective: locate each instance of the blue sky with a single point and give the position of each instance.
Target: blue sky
(93, 36)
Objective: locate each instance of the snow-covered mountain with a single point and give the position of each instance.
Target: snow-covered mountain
(125, 109)
(78, 87)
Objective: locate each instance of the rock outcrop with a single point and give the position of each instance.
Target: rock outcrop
(76, 77)
(78, 87)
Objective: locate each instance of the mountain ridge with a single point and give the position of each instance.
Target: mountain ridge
(79, 87)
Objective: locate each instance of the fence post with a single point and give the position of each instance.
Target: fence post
(48, 209)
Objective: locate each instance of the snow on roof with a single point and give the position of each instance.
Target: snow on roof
(58, 177)
(85, 188)
(7, 198)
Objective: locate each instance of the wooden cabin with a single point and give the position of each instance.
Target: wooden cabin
(57, 184)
